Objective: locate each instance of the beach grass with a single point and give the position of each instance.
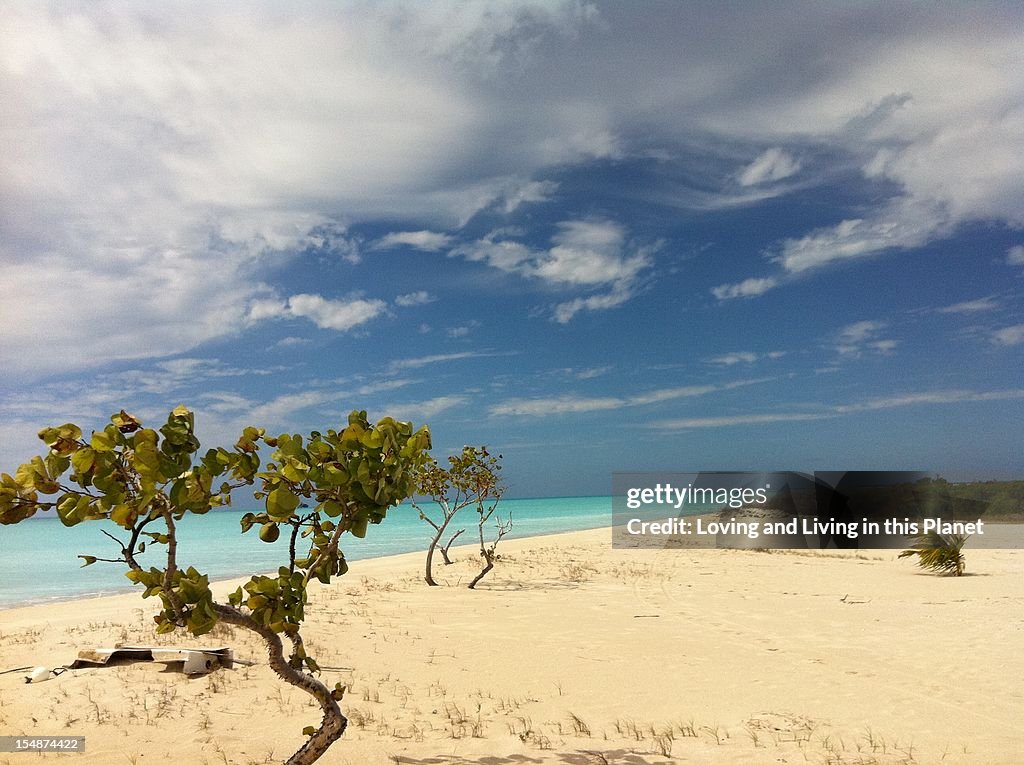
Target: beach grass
(574, 652)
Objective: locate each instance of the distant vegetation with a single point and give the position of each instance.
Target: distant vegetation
(1003, 500)
(991, 500)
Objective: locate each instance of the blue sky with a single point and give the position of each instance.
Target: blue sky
(596, 237)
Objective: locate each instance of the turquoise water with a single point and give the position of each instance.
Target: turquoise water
(39, 563)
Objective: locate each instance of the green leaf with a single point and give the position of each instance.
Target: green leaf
(333, 509)
(84, 459)
(309, 730)
(70, 507)
(372, 439)
(294, 471)
(124, 516)
(164, 627)
(103, 441)
(281, 503)
(89, 560)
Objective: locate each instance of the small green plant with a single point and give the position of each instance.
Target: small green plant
(941, 553)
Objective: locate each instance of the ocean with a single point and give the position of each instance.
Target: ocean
(39, 563)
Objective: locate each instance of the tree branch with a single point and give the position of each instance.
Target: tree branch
(334, 722)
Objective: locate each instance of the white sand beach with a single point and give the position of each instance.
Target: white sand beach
(571, 652)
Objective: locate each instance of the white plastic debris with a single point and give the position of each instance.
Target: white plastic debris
(40, 675)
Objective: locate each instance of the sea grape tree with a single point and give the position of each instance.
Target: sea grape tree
(472, 479)
(146, 482)
(448, 498)
(488, 490)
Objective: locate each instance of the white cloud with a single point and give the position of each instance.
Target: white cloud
(146, 391)
(747, 288)
(438, 358)
(929, 397)
(735, 420)
(340, 315)
(589, 252)
(19, 441)
(279, 410)
(158, 165)
(902, 225)
(670, 394)
(771, 165)
(1015, 255)
(530, 192)
(541, 407)
(855, 339)
(383, 385)
(422, 410)
(161, 165)
(735, 358)
(955, 155)
(501, 254)
(224, 403)
(292, 342)
(420, 297)
(1009, 335)
(96, 396)
(859, 332)
(266, 308)
(428, 241)
(105, 307)
(744, 357)
(590, 373)
(871, 405)
(586, 254)
(971, 306)
(570, 404)
(171, 373)
(564, 312)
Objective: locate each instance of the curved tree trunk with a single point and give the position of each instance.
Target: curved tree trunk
(334, 722)
(429, 575)
(481, 574)
(447, 547)
(487, 555)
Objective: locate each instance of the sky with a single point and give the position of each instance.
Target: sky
(596, 237)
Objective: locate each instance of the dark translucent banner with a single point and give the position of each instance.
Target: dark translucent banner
(788, 510)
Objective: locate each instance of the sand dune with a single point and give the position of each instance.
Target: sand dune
(573, 653)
